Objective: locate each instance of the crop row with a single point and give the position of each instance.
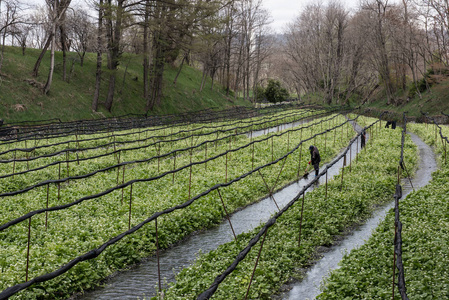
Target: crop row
(139, 159)
(368, 272)
(44, 130)
(28, 150)
(64, 192)
(102, 158)
(325, 213)
(59, 236)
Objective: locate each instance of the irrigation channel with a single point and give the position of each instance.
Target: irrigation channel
(142, 280)
(309, 287)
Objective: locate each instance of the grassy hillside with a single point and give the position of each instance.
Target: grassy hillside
(20, 100)
(433, 101)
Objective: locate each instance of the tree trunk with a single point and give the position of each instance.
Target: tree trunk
(146, 51)
(124, 75)
(63, 39)
(180, 68)
(41, 56)
(99, 54)
(52, 55)
(229, 26)
(111, 90)
(203, 78)
(114, 51)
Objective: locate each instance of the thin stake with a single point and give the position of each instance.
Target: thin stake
(325, 139)
(28, 249)
(226, 176)
(394, 257)
(299, 161)
(280, 172)
(14, 164)
(350, 158)
(67, 161)
(347, 129)
(190, 179)
(174, 167)
(157, 255)
(342, 172)
(326, 184)
(123, 181)
(300, 221)
(46, 213)
(269, 190)
(130, 204)
(227, 214)
(255, 266)
(205, 157)
(159, 157)
(335, 133)
(252, 158)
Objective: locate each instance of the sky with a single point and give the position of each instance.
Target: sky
(282, 11)
(285, 11)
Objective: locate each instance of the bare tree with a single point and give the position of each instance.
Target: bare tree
(99, 49)
(10, 16)
(80, 32)
(57, 9)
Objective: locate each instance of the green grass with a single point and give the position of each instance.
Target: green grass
(72, 101)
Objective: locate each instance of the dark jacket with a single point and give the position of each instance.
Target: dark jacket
(315, 156)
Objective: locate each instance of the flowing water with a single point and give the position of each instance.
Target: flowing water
(309, 288)
(142, 280)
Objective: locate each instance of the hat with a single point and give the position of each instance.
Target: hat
(311, 147)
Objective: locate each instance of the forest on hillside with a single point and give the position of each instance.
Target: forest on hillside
(399, 48)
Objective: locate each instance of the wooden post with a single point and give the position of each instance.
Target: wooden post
(123, 181)
(300, 220)
(255, 265)
(326, 183)
(252, 158)
(394, 257)
(205, 157)
(347, 129)
(190, 179)
(159, 156)
(350, 158)
(130, 205)
(335, 133)
(14, 164)
(227, 215)
(46, 213)
(28, 249)
(445, 143)
(299, 160)
(226, 176)
(435, 131)
(325, 140)
(157, 256)
(342, 171)
(67, 161)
